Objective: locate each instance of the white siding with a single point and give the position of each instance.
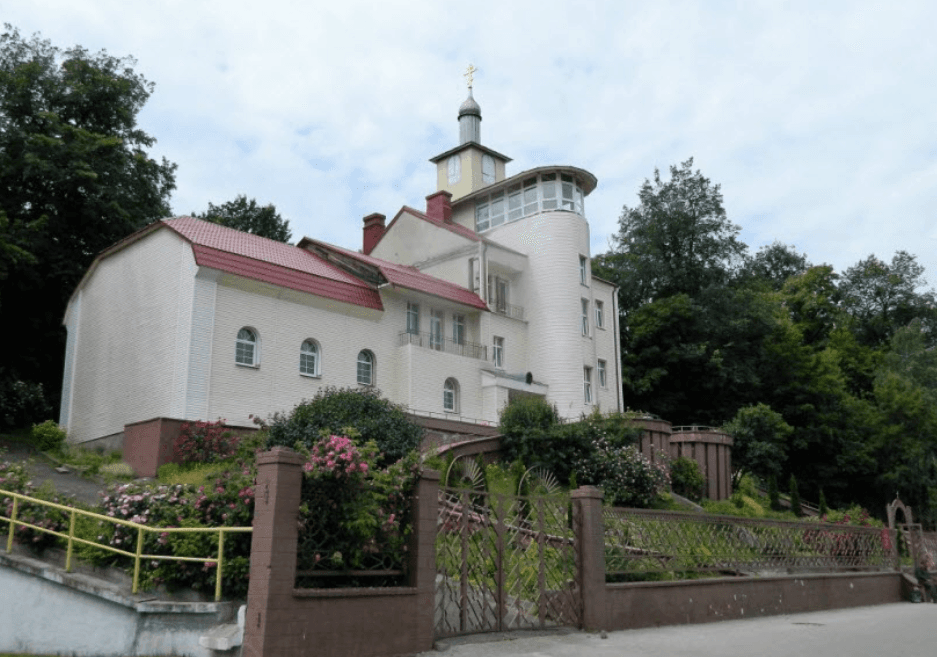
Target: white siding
(196, 391)
(557, 352)
(127, 345)
(412, 240)
(605, 348)
(283, 320)
(72, 321)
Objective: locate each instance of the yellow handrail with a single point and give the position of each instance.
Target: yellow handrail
(137, 555)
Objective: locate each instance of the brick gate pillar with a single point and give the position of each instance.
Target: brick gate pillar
(590, 540)
(423, 554)
(273, 551)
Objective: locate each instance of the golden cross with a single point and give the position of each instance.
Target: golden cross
(468, 74)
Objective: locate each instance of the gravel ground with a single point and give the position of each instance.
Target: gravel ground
(43, 469)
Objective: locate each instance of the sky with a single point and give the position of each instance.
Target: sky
(817, 119)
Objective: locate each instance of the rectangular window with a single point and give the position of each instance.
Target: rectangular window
(587, 384)
(603, 381)
(498, 293)
(435, 330)
(496, 209)
(458, 329)
(548, 182)
(599, 314)
(481, 217)
(413, 318)
(585, 317)
(514, 203)
(497, 352)
(530, 196)
(583, 270)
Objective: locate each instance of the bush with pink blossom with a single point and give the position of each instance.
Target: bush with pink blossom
(354, 517)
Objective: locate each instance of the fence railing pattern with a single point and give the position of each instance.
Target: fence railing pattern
(441, 343)
(504, 562)
(71, 537)
(642, 544)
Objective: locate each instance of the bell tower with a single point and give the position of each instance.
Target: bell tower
(469, 166)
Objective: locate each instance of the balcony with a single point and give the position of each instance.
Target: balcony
(439, 343)
(507, 310)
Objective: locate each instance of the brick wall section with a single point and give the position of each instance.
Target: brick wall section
(148, 444)
(590, 536)
(650, 604)
(361, 622)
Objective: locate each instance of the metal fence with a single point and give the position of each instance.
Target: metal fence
(71, 537)
(440, 343)
(504, 562)
(642, 545)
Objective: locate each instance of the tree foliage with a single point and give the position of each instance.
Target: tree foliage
(676, 240)
(830, 376)
(882, 297)
(246, 215)
(760, 438)
(75, 177)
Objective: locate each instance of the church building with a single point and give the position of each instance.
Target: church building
(450, 311)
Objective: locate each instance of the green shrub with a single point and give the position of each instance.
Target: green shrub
(21, 403)
(204, 442)
(48, 436)
(686, 479)
(626, 476)
(335, 410)
(774, 496)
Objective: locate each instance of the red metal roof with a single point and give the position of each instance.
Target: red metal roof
(266, 260)
(408, 277)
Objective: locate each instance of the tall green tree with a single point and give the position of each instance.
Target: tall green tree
(676, 240)
(246, 215)
(882, 297)
(75, 177)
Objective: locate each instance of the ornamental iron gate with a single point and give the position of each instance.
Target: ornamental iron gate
(504, 563)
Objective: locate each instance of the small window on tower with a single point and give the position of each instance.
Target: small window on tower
(488, 169)
(455, 169)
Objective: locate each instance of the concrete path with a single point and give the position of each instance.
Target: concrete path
(896, 630)
(42, 470)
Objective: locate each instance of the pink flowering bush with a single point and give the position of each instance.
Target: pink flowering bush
(626, 476)
(227, 501)
(203, 442)
(337, 457)
(354, 516)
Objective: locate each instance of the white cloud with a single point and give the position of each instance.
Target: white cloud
(817, 119)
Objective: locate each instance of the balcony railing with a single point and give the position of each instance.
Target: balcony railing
(440, 343)
(506, 309)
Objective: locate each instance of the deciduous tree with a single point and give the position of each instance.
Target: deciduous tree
(75, 177)
(246, 215)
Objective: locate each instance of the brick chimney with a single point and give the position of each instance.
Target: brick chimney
(439, 206)
(373, 231)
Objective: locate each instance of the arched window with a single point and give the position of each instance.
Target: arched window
(450, 396)
(365, 368)
(455, 169)
(488, 169)
(246, 352)
(309, 358)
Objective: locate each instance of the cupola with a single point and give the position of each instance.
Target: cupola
(469, 166)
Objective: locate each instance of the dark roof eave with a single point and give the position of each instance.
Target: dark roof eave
(467, 144)
(589, 181)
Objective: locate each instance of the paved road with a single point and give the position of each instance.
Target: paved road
(895, 630)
